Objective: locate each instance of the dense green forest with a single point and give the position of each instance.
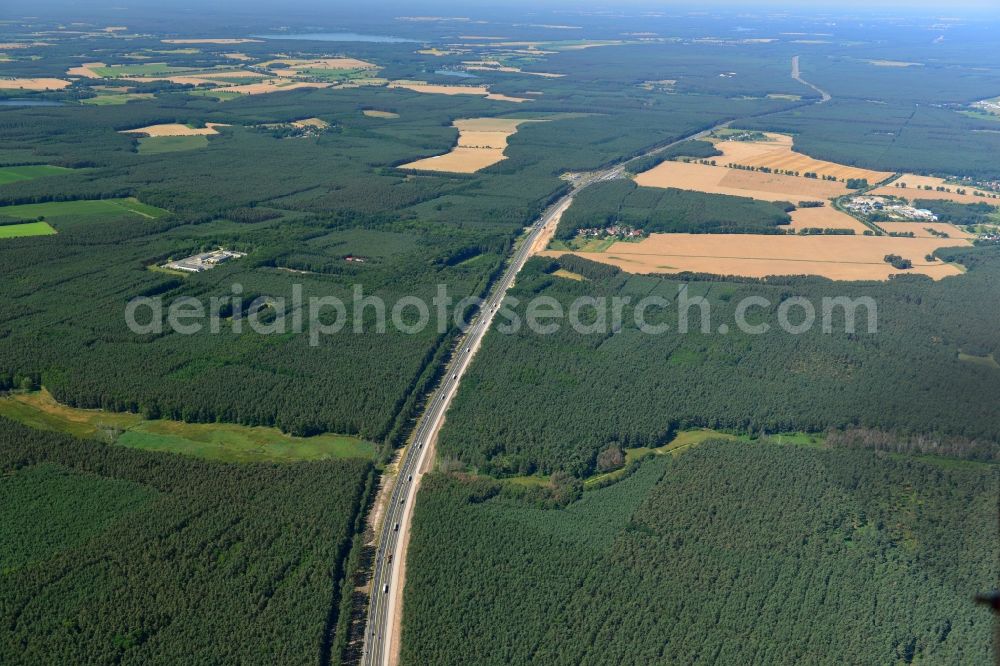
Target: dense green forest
(746, 552)
(732, 552)
(112, 555)
(299, 207)
(670, 210)
(694, 148)
(891, 137)
(957, 213)
(622, 386)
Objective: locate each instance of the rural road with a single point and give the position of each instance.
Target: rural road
(382, 629)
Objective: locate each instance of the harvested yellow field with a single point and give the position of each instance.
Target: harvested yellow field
(439, 89)
(242, 57)
(375, 113)
(506, 98)
(86, 70)
(33, 84)
(734, 182)
(175, 129)
(481, 143)
(914, 190)
(277, 85)
(777, 153)
(920, 229)
(748, 255)
(826, 217)
(435, 89)
(311, 122)
(459, 160)
(211, 41)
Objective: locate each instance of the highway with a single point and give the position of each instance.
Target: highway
(381, 642)
(389, 555)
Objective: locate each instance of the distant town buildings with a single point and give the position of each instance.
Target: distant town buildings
(614, 231)
(989, 105)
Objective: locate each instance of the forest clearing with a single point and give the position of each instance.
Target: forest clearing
(209, 441)
(481, 143)
(375, 113)
(175, 129)
(442, 89)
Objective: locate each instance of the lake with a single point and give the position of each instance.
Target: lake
(339, 37)
(455, 72)
(29, 102)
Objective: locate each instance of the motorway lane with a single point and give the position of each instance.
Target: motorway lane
(395, 522)
(385, 602)
(379, 646)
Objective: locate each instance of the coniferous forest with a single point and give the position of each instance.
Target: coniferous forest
(597, 496)
(112, 555)
(620, 386)
(732, 552)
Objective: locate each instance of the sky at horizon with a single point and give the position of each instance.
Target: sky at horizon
(943, 9)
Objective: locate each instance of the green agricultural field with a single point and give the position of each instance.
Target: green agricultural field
(155, 145)
(80, 212)
(210, 441)
(146, 69)
(26, 229)
(583, 244)
(18, 173)
(218, 94)
(114, 99)
(335, 75)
